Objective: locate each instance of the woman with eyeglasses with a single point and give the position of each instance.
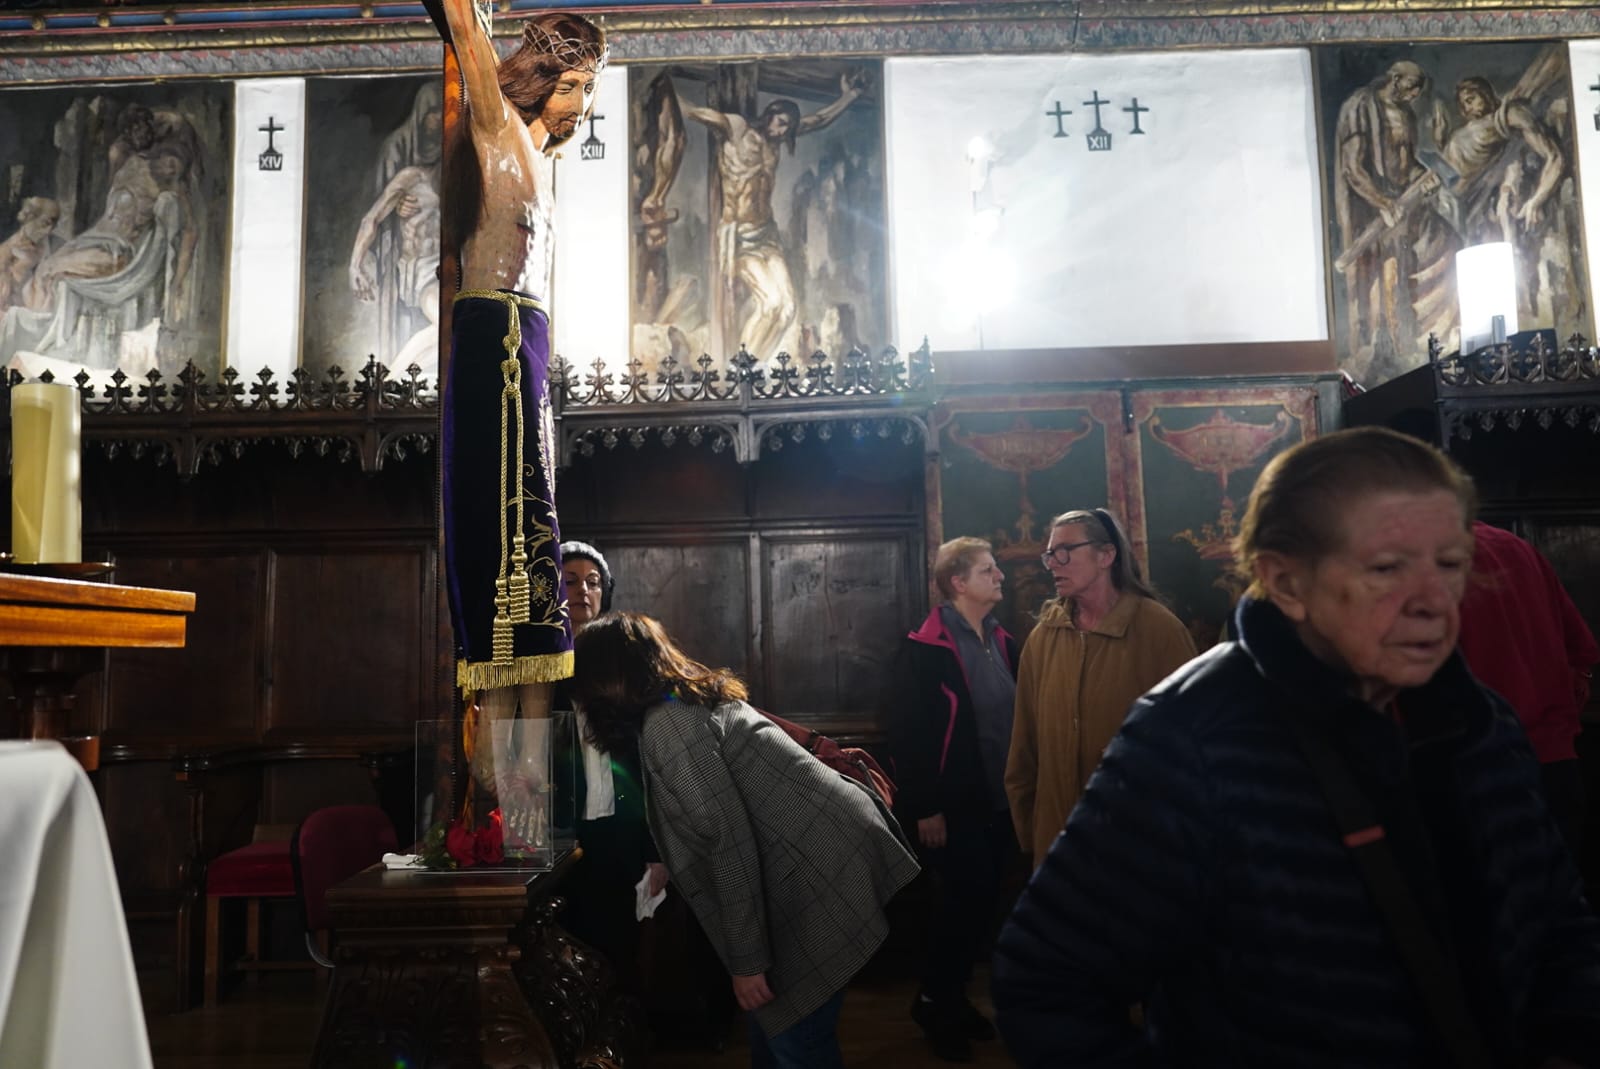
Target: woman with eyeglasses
(1100, 643)
(1322, 844)
(609, 800)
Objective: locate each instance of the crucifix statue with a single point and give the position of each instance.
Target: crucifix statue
(501, 535)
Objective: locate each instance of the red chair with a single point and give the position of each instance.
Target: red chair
(330, 846)
(260, 870)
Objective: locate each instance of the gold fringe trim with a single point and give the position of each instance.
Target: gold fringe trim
(473, 676)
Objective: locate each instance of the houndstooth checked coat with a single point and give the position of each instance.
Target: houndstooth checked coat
(786, 863)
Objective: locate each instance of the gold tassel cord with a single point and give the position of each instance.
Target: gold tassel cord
(512, 599)
(501, 639)
(520, 608)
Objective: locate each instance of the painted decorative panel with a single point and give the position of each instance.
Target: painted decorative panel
(1175, 466)
(1199, 453)
(1432, 149)
(1007, 466)
(119, 196)
(372, 223)
(757, 198)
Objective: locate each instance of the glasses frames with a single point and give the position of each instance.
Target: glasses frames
(589, 582)
(1062, 554)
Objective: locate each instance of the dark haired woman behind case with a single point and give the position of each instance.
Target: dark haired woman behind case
(786, 863)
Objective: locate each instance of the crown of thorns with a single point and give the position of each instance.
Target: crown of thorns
(573, 53)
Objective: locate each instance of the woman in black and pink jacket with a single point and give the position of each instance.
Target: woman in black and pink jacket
(948, 708)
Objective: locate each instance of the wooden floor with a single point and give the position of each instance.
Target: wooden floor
(273, 1026)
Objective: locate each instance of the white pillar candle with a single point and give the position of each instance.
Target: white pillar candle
(46, 501)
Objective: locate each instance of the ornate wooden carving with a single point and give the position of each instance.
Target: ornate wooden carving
(750, 407)
(1501, 385)
(591, 1025)
(375, 418)
(467, 970)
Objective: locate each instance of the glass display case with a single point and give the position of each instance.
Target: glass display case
(495, 793)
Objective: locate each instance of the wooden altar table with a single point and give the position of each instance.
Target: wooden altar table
(468, 969)
(51, 633)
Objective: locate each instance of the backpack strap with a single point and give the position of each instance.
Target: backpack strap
(1436, 977)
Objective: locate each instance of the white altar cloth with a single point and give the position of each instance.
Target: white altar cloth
(68, 995)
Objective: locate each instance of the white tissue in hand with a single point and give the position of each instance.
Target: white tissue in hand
(644, 903)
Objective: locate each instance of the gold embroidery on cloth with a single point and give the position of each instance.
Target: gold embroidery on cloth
(512, 598)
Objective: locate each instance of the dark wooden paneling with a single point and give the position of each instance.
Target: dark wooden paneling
(293, 790)
(265, 490)
(147, 820)
(836, 604)
(351, 641)
(1572, 544)
(695, 540)
(699, 592)
(212, 688)
(844, 476)
(654, 484)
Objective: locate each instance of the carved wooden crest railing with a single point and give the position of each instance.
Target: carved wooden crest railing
(194, 421)
(375, 417)
(1504, 385)
(748, 408)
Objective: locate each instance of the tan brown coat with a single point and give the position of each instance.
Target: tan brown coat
(1073, 689)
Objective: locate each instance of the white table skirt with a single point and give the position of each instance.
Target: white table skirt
(68, 995)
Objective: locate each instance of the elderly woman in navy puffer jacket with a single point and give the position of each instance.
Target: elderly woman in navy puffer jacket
(1203, 874)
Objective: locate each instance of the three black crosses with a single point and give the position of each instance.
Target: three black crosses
(1099, 138)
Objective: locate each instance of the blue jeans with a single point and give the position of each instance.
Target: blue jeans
(810, 1043)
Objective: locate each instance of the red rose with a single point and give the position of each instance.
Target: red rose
(489, 841)
(458, 843)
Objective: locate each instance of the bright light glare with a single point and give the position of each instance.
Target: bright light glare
(1486, 285)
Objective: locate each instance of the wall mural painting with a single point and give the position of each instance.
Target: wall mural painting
(1176, 466)
(1432, 149)
(1200, 452)
(1006, 472)
(372, 224)
(113, 221)
(757, 196)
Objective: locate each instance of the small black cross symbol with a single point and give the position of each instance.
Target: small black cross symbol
(1059, 114)
(1596, 88)
(1096, 104)
(1136, 109)
(592, 148)
(270, 129)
